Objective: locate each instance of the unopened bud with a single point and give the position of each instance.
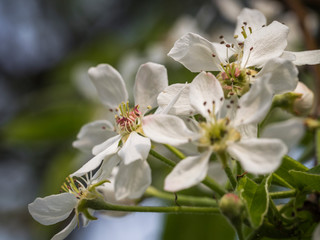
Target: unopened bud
(232, 207)
(303, 104)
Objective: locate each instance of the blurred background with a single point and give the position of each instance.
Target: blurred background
(46, 48)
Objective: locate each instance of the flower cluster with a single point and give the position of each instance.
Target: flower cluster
(216, 117)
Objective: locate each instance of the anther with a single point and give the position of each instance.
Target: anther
(213, 102)
(250, 29)
(251, 48)
(245, 23)
(232, 102)
(221, 98)
(235, 36)
(222, 42)
(221, 36)
(228, 106)
(232, 45)
(213, 55)
(209, 111)
(228, 45)
(204, 103)
(248, 73)
(241, 44)
(253, 76)
(111, 110)
(263, 25)
(103, 127)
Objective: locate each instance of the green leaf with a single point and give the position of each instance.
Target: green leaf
(305, 180)
(283, 171)
(256, 198)
(315, 170)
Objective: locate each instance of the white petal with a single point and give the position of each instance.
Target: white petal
(132, 180)
(283, 77)
(109, 84)
(187, 173)
(135, 148)
(304, 104)
(106, 144)
(316, 233)
(229, 108)
(258, 156)
(151, 79)
(182, 105)
(253, 18)
(105, 171)
(248, 130)
(311, 57)
(206, 94)
(290, 131)
(266, 43)
(195, 53)
(53, 208)
(66, 231)
(255, 104)
(167, 129)
(95, 162)
(93, 134)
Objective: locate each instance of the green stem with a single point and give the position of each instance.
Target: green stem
(175, 151)
(231, 177)
(182, 199)
(209, 182)
(162, 158)
(276, 212)
(281, 181)
(99, 204)
(239, 231)
(284, 194)
(212, 184)
(224, 160)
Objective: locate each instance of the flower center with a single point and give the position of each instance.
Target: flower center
(128, 120)
(234, 80)
(76, 187)
(216, 134)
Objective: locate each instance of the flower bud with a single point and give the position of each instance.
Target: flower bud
(232, 207)
(303, 104)
(298, 102)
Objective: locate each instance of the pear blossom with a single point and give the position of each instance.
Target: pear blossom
(218, 134)
(56, 208)
(289, 131)
(303, 104)
(240, 61)
(121, 141)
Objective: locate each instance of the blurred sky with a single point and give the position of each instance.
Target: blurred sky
(45, 96)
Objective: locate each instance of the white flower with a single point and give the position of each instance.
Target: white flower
(121, 141)
(56, 208)
(316, 233)
(217, 134)
(303, 104)
(239, 61)
(289, 131)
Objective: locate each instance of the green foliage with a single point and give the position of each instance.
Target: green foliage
(256, 199)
